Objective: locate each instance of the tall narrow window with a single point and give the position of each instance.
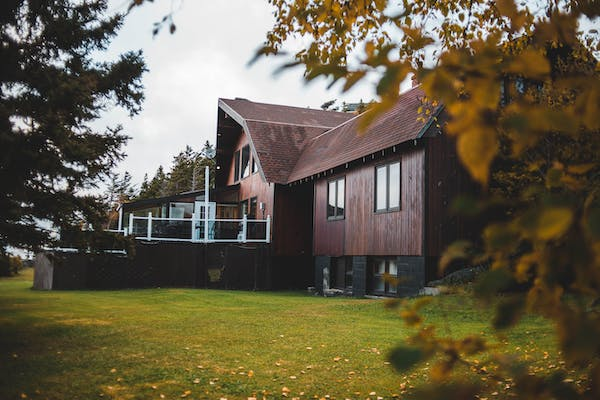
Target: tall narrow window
(236, 166)
(254, 165)
(245, 168)
(335, 199)
(387, 187)
(252, 210)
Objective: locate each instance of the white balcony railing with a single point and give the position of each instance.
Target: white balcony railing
(199, 230)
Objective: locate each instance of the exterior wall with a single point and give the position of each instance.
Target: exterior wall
(292, 220)
(446, 178)
(253, 185)
(364, 232)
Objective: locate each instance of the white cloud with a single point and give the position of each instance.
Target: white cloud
(205, 59)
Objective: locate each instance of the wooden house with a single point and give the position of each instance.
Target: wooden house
(348, 207)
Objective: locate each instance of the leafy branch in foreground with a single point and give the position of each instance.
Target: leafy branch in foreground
(520, 86)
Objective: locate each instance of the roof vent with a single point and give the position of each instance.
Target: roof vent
(241, 98)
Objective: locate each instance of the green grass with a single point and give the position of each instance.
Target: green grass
(147, 343)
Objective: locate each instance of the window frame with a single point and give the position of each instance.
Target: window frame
(388, 288)
(254, 168)
(252, 207)
(336, 215)
(387, 207)
(236, 165)
(243, 168)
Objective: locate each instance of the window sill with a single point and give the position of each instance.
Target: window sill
(335, 218)
(387, 211)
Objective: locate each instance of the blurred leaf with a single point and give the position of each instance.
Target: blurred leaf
(592, 223)
(352, 78)
(554, 222)
(508, 312)
(472, 345)
(530, 63)
(500, 238)
(580, 169)
(477, 147)
(490, 282)
(455, 251)
(465, 204)
(441, 370)
(404, 358)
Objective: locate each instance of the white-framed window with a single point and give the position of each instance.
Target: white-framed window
(387, 187)
(336, 193)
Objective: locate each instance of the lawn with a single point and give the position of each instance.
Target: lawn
(195, 343)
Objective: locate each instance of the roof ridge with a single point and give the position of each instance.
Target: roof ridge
(338, 126)
(359, 115)
(290, 124)
(285, 105)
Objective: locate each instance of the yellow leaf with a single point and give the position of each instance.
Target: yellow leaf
(530, 63)
(477, 147)
(580, 169)
(553, 222)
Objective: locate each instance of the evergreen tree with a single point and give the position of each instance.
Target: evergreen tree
(182, 171)
(156, 187)
(120, 190)
(50, 92)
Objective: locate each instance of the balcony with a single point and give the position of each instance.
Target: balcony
(198, 230)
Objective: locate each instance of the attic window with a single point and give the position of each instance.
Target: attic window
(245, 167)
(236, 166)
(254, 166)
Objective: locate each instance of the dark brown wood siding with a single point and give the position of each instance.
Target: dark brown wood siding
(446, 178)
(292, 220)
(364, 232)
(253, 185)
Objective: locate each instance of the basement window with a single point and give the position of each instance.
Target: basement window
(380, 268)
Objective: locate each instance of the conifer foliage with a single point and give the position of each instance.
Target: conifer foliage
(51, 90)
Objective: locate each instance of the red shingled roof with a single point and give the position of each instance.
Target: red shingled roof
(343, 143)
(294, 143)
(279, 133)
(251, 111)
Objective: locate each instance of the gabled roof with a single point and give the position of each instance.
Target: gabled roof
(292, 143)
(288, 115)
(279, 133)
(345, 143)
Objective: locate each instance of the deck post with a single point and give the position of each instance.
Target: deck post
(268, 230)
(195, 218)
(120, 223)
(149, 230)
(244, 228)
(130, 223)
(206, 203)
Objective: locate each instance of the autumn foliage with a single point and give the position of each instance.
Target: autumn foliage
(519, 84)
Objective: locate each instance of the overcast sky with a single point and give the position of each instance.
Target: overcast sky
(205, 59)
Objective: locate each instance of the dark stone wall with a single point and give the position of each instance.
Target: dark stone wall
(359, 276)
(411, 273)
